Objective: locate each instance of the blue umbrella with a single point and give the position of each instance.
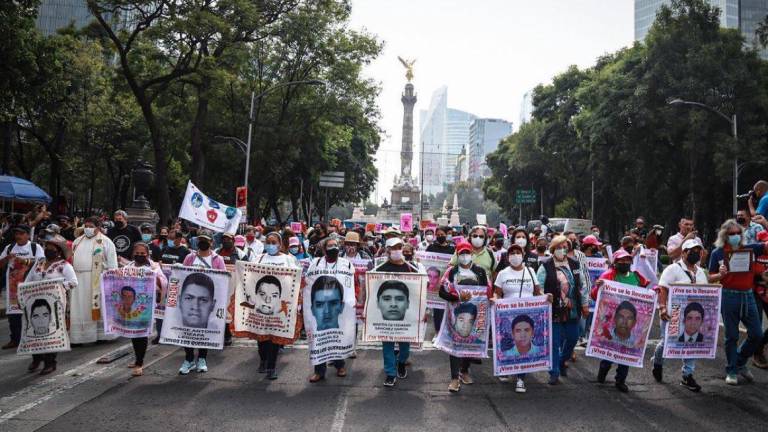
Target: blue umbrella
(18, 189)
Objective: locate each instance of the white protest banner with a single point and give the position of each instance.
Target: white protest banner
(621, 324)
(160, 301)
(464, 331)
(198, 208)
(128, 301)
(329, 313)
(43, 325)
(645, 262)
(195, 308)
(361, 268)
(435, 263)
(481, 219)
(395, 307)
(266, 300)
(595, 268)
(522, 335)
(692, 330)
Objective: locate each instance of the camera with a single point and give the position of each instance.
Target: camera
(746, 195)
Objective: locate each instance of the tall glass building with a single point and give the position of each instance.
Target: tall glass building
(744, 15)
(444, 131)
(484, 138)
(53, 15)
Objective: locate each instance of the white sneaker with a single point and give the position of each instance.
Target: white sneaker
(731, 380)
(187, 367)
(520, 386)
(202, 365)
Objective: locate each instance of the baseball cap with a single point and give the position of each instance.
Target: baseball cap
(394, 241)
(591, 240)
(691, 243)
(239, 241)
(463, 247)
(293, 241)
(619, 254)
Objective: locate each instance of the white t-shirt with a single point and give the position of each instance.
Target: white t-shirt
(516, 283)
(677, 274)
(279, 259)
(23, 252)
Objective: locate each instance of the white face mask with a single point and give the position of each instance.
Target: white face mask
(515, 260)
(521, 242)
(560, 253)
(89, 232)
(477, 242)
(465, 259)
(430, 238)
(396, 255)
(370, 243)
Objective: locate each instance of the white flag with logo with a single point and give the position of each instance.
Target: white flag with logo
(198, 208)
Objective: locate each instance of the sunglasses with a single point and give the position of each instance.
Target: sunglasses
(478, 236)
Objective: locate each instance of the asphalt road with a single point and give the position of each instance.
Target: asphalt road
(232, 396)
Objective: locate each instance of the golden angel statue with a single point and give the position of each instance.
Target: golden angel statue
(408, 67)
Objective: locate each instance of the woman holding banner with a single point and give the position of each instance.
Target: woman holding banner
(516, 280)
(561, 277)
(53, 266)
(269, 346)
(203, 257)
(465, 273)
(621, 272)
(141, 258)
(481, 255)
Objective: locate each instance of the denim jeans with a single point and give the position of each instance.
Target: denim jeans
(388, 352)
(740, 306)
(621, 370)
(689, 365)
(458, 365)
(564, 338)
(322, 367)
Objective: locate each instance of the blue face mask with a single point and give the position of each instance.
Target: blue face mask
(271, 249)
(294, 250)
(734, 239)
(170, 243)
(146, 238)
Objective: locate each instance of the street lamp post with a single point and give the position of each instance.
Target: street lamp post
(734, 132)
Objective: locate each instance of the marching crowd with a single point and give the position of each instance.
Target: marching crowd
(518, 263)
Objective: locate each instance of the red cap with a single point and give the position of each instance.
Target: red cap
(619, 254)
(591, 240)
(463, 247)
(762, 236)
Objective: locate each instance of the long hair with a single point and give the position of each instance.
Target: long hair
(722, 235)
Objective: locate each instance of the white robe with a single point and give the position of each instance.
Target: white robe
(83, 329)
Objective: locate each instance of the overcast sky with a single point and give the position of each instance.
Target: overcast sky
(488, 53)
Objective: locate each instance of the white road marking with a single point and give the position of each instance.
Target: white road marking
(341, 413)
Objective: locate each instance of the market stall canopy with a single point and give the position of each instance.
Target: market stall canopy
(18, 189)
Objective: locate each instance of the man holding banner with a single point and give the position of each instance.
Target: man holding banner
(685, 271)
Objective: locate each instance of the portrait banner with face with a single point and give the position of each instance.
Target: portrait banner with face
(522, 335)
(329, 314)
(435, 264)
(395, 307)
(195, 308)
(44, 328)
(361, 268)
(692, 330)
(464, 331)
(128, 301)
(266, 300)
(621, 324)
(16, 272)
(595, 268)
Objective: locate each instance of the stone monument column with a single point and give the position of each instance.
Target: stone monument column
(406, 153)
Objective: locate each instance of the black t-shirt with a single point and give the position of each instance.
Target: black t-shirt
(124, 238)
(447, 248)
(173, 255)
(395, 268)
(68, 233)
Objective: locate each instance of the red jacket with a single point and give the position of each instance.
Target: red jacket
(610, 274)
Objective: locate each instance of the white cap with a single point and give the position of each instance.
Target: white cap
(394, 241)
(691, 243)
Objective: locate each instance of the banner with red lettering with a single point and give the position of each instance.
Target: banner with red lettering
(692, 329)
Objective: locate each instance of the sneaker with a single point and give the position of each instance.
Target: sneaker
(622, 386)
(747, 375)
(33, 366)
(202, 365)
(465, 378)
(658, 374)
(402, 372)
(187, 367)
(389, 381)
(503, 379)
(520, 386)
(759, 361)
(731, 379)
(48, 369)
(601, 374)
(690, 383)
(553, 380)
(453, 386)
(272, 374)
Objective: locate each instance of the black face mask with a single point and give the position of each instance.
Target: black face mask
(499, 243)
(140, 259)
(441, 239)
(741, 220)
(203, 245)
(408, 257)
(121, 224)
(332, 253)
(622, 268)
(629, 249)
(227, 244)
(541, 249)
(51, 254)
(693, 257)
(163, 237)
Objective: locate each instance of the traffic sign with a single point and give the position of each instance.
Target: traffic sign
(332, 179)
(523, 196)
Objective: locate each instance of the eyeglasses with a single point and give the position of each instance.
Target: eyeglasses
(478, 236)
